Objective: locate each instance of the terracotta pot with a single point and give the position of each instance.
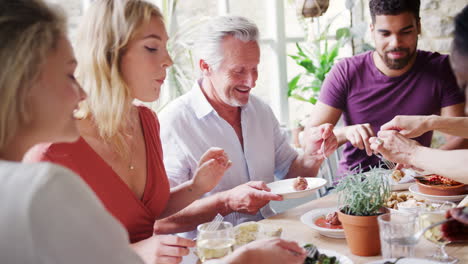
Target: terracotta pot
(362, 234)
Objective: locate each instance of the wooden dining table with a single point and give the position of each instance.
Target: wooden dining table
(294, 229)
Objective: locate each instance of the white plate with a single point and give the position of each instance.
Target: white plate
(285, 187)
(453, 198)
(407, 261)
(309, 219)
(341, 258)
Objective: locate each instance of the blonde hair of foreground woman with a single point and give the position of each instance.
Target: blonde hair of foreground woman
(26, 39)
(107, 28)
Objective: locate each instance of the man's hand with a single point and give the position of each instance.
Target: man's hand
(394, 146)
(315, 137)
(211, 168)
(274, 251)
(408, 126)
(358, 136)
(163, 249)
(249, 197)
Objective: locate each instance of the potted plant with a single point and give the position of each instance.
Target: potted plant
(361, 199)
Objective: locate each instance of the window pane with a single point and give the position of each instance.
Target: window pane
(258, 11)
(294, 27)
(187, 10)
(267, 74)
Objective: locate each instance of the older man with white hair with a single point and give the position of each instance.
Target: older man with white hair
(220, 111)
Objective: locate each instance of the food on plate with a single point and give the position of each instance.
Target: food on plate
(406, 200)
(329, 221)
(440, 185)
(249, 231)
(319, 258)
(332, 218)
(300, 183)
(246, 232)
(397, 175)
(435, 179)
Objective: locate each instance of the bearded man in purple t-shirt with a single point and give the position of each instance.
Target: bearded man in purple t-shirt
(369, 89)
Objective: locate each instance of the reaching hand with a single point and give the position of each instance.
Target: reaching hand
(408, 126)
(394, 146)
(250, 197)
(456, 230)
(163, 249)
(358, 136)
(211, 168)
(274, 251)
(316, 136)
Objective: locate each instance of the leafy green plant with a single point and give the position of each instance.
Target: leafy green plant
(363, 194)
(317, 59)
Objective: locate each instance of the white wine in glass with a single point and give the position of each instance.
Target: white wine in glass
(214, 242)
(214, 248)
(435, 234)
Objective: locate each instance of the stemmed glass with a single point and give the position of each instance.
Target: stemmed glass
(214, 243)
(433, 213)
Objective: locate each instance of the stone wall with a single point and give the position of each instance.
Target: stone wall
(436, 23)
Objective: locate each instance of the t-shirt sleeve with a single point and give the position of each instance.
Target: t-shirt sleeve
(70, 225)
(284, 152)
(334, 87)
(451, 94)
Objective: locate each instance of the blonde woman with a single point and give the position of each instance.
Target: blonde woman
(122, 51)
(47, 213)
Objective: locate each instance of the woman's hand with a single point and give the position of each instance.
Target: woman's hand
(163, 249)
(394, 146)
(211, 168)
(408, 126)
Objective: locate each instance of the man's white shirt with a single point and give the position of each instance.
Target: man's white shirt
(190, 126)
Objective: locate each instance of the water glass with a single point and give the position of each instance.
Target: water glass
(214, 243)
(393, 229)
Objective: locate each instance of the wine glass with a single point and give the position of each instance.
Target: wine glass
(433, 213)
(214, 243)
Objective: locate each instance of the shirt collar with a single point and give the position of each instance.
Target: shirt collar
(201, 106)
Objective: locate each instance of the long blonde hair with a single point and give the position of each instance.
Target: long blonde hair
(29, 32)
(101, 41)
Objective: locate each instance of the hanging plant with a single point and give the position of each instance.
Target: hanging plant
(312, 8)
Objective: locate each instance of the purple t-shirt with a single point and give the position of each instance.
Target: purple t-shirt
(366, 95)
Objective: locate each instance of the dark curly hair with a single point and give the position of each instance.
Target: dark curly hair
(460, 40)
(393, 7)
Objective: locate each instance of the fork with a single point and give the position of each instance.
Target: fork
(311, 251)
(390, 165)
(214, 224)
(323, 150)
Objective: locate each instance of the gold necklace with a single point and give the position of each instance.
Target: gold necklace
(131, 167)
